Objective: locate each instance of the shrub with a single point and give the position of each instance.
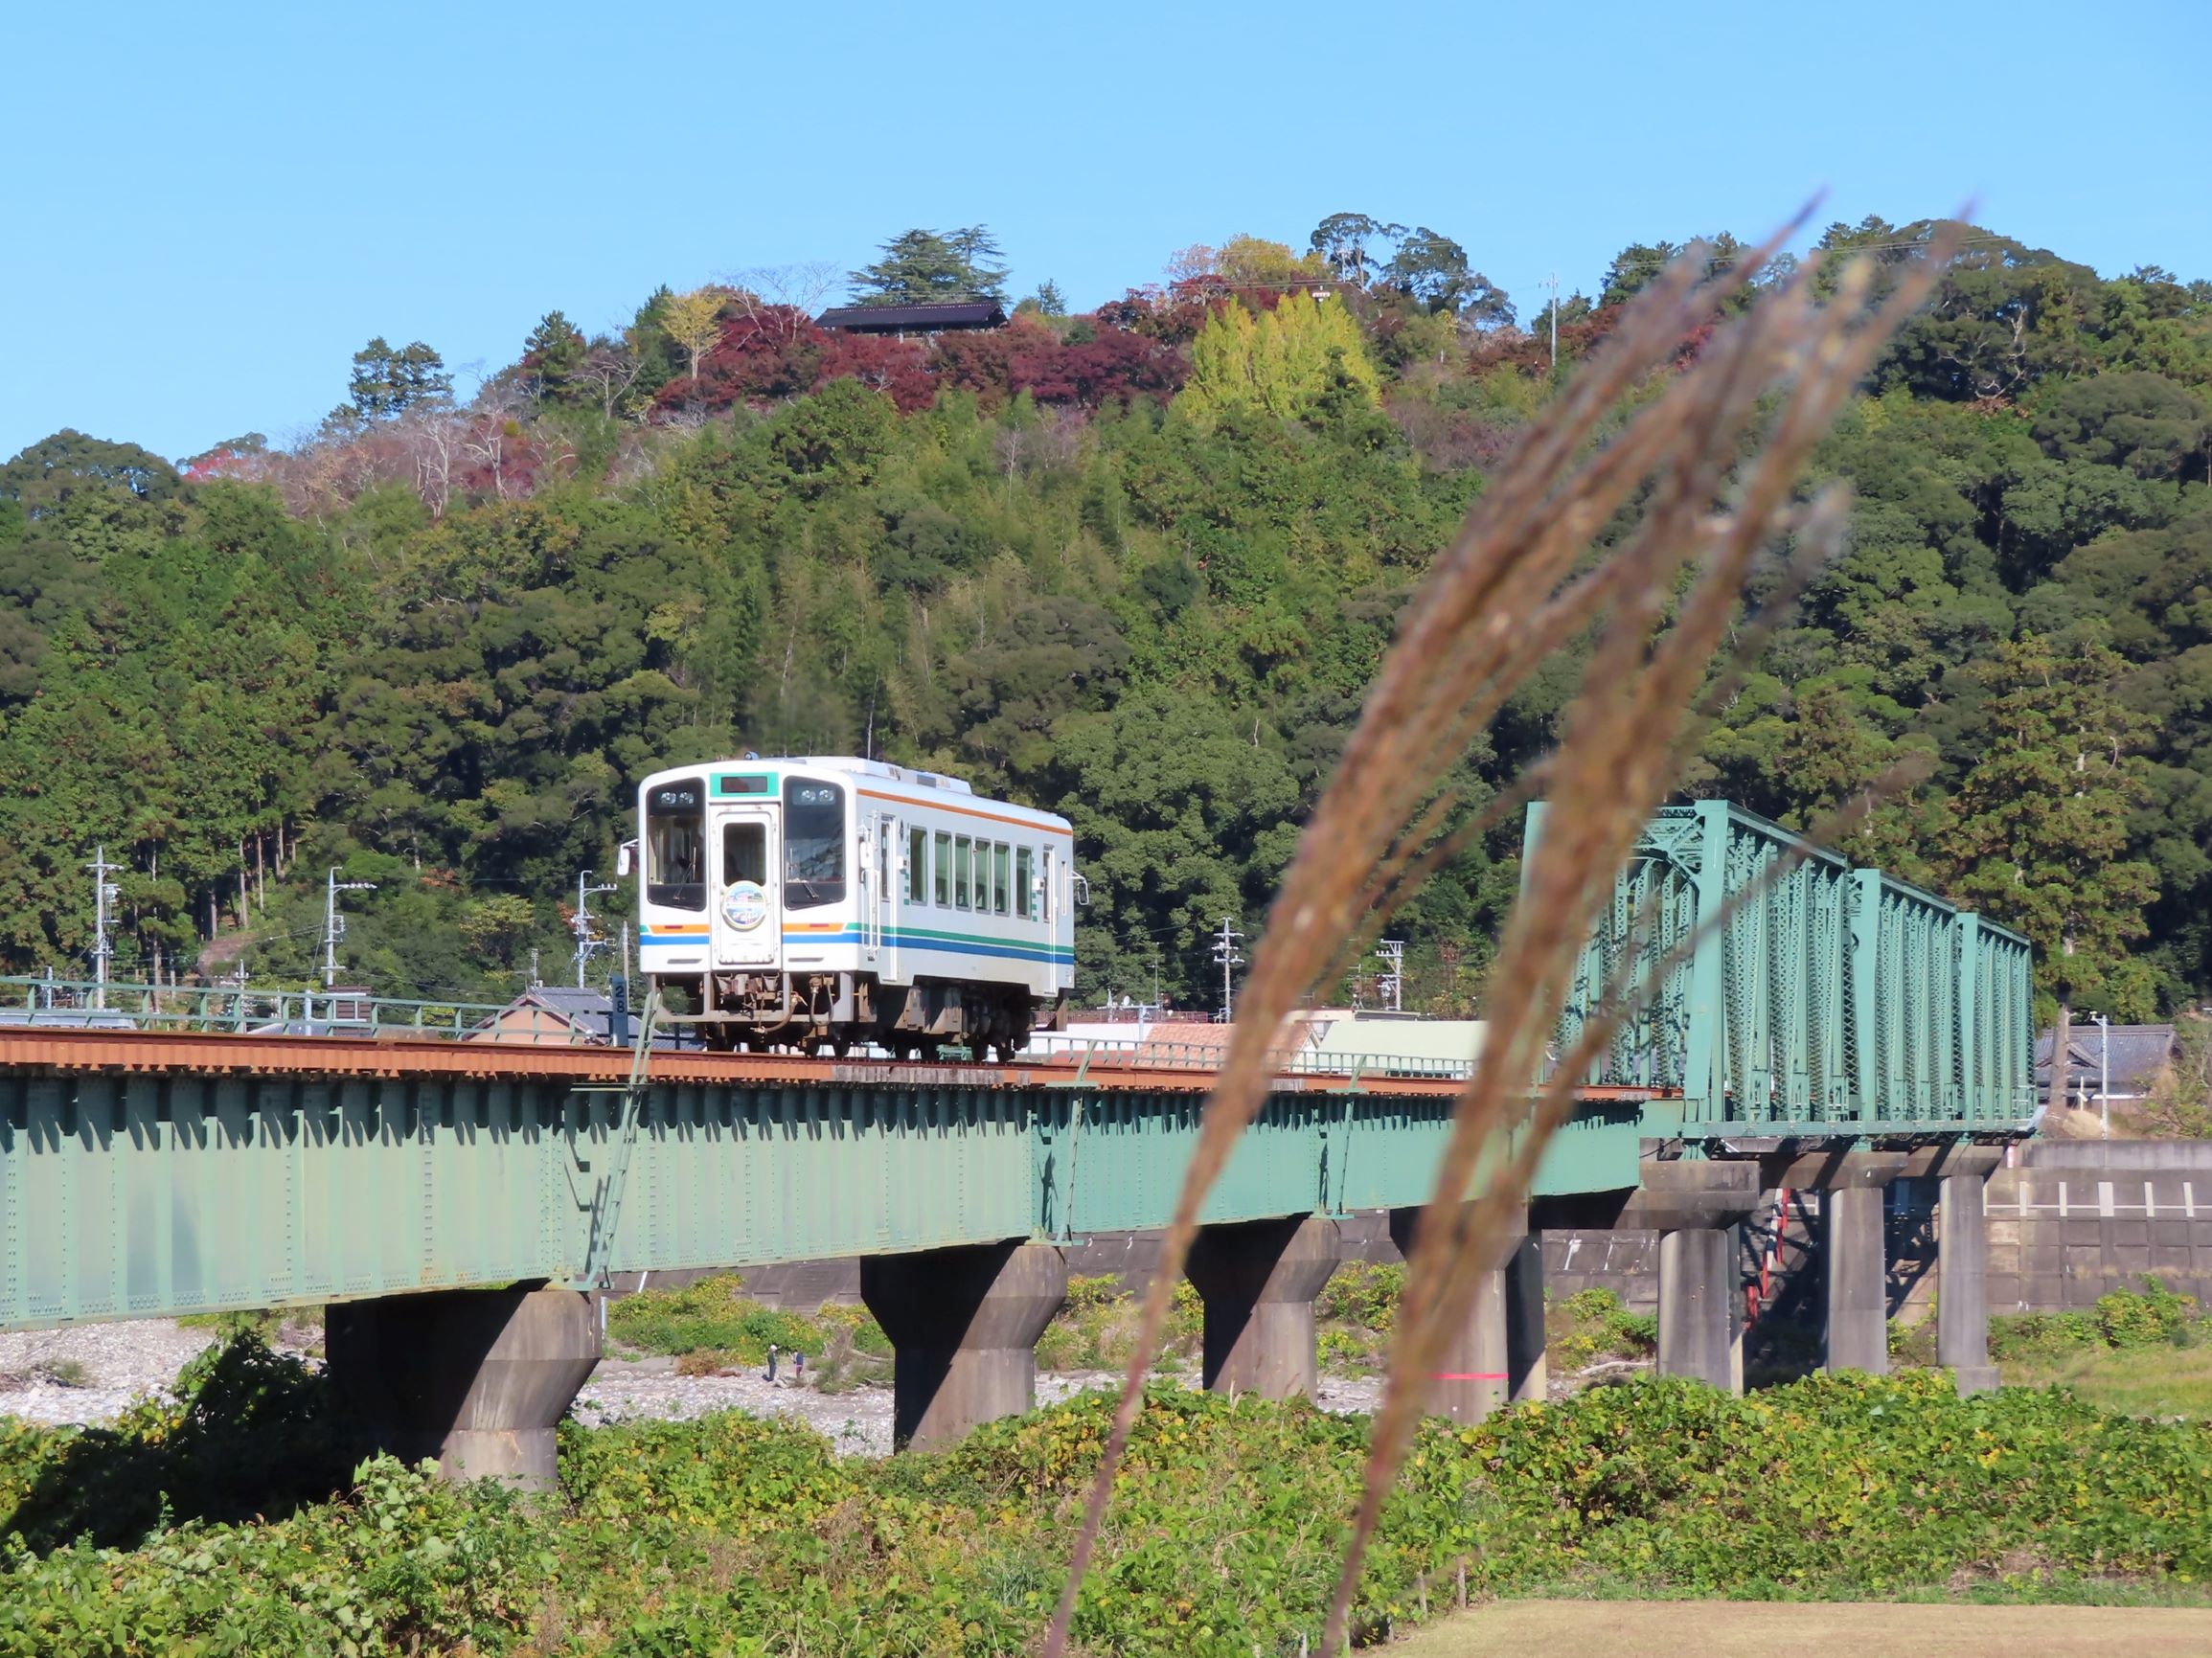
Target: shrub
(1363, 1293)
(1592, 1306)
(713, 1314)
(726, 1535)
(2157, 1315)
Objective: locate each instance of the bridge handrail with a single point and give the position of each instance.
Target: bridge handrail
(1287, 1059)
(81, 1004)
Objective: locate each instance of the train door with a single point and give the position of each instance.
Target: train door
(748, 911)
(883, 870)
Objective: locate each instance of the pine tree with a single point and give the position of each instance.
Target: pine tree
(552, 356)
(922, 267)
(2036, 833)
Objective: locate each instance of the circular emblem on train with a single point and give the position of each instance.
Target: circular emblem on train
(745, 905)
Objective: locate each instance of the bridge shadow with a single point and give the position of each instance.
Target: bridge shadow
(261, 1437)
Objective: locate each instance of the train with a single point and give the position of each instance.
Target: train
(829, 904)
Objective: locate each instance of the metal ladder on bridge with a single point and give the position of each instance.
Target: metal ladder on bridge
(607, 1198)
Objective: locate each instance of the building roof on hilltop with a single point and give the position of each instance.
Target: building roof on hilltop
(2138, 1054)
(913, 319)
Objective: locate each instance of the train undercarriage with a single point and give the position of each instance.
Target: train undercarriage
(835, 1013)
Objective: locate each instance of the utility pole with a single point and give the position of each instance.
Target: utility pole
(333, 923)
(585, 943)
(2103, 1072)
(1226, 953)
(1553, 282)
(103, 892)
(1392, 980)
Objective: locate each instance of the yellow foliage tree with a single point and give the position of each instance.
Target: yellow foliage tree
(1250, 260)
(695, 321)
(1282, 362)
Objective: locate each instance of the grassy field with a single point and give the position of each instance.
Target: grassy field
(2154, 1381)
(1752, 1629)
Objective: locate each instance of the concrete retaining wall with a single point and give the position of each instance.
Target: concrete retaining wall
(2077, 1219)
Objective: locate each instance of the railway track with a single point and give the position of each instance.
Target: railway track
(80, 1052)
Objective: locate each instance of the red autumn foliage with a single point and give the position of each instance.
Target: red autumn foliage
(1530, 352)
(768, 352)
(1115, 364)
(898, 368)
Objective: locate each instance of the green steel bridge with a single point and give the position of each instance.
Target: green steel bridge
(446, 1180)
(182, 1152)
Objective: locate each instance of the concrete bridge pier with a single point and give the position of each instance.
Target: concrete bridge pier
(477, 1378)
(1962, 1269)
(1693, 1204)
(1854, 1246)
(1496, 1354)
(1258, 1279)
(1856, 1276)
(963, 1324)
(1528, 1375)
(1697, 1308)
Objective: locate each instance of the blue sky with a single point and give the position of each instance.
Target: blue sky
(210, 208)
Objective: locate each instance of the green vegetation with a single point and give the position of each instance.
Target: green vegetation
(711, 1327)
(728, 1536)
(712, 1316)
(2148, 1354)
(1137, 566)
(1592, 1324)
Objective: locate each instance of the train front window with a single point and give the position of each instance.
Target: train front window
(1001, 877)
(813, 844)
(675, 875)
(744, 853)
(1024, 879)
(941, 872)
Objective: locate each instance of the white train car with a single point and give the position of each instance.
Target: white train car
(822, 904)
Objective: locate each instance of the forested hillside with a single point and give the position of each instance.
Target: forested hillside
(1134, 566)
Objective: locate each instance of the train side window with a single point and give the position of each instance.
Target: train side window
(917, 866)
(960, 850)
(1001, 877)
(943, 871)
(1025, 880)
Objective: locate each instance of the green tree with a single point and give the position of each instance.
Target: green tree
(46, 476)
(1284, 362)
(553, 357)
(387, 382)
(927, 268)
(2037, 835)
(1345, 242)
(1634, 268)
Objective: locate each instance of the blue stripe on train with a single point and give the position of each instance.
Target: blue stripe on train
(1052, 954)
